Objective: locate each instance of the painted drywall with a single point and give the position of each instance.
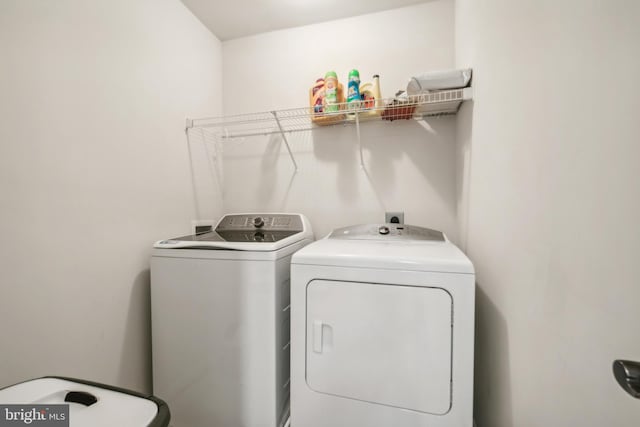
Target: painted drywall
(553, 205)
(408, 166)
(241, 18)
(93, 169)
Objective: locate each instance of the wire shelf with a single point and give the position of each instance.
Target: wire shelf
(435, 103)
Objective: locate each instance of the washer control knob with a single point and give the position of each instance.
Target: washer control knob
(258, 222)
(383, 229)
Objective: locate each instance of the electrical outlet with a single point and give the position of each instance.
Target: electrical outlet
(394, 217)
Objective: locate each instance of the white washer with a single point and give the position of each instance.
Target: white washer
(220, 320)
(382, 330)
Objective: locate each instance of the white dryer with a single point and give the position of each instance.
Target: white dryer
(220, 320)
(382, 330)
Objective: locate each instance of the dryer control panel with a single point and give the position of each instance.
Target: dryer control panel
(387, 232)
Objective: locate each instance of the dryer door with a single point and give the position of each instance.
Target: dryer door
(380, 343)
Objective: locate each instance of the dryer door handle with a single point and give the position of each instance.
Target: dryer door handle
(317, 336)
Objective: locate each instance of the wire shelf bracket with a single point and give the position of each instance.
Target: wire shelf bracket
(284, 138)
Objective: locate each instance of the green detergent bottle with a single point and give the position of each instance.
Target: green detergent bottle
(353, 90)
(331, 92)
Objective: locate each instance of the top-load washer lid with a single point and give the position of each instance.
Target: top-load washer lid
(247, 232)
(386, 246)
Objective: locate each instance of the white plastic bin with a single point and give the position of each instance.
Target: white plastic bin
(90, 404)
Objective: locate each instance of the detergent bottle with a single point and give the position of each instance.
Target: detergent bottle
(316, 96)
(371, 97)
(353, 90)
(331, 92)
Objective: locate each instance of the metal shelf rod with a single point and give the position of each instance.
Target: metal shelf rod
(359, 141)
(284, 137)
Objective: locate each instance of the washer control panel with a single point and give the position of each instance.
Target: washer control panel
(265, 222)
(246, 232)
(247, 228)
(258, 227)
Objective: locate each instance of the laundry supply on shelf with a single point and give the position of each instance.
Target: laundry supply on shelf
(438, 80)
(331, 92)
(353, 90)
(401, 107)
(326, 100)
(371, 100)
(317, 96)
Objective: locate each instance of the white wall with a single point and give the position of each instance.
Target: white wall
(408, 167)
(93, 169)
(553, 207)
